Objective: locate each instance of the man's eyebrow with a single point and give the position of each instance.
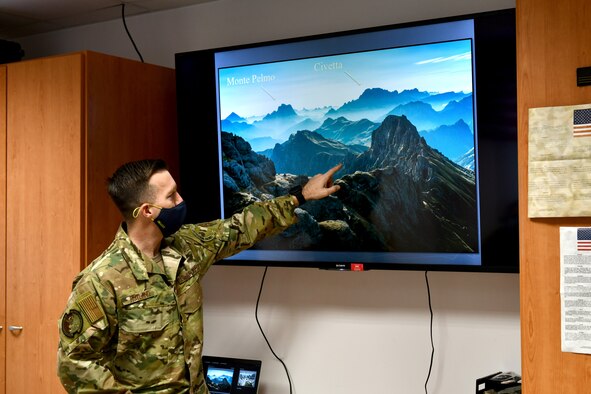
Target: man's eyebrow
(172, 190)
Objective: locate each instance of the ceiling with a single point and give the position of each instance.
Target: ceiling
(19, 18)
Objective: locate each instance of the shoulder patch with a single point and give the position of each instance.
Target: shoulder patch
(88, 304)
(72, 323)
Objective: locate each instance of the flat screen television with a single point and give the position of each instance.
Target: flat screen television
(422, 116)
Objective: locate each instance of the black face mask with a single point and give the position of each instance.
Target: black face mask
(170, 220)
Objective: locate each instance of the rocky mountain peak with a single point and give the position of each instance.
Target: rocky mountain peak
(395, 139)
(283, 111)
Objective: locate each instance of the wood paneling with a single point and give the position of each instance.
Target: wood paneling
(131, 115)
(44, 217)
(4, 330)
(66, 123)
(553, 40)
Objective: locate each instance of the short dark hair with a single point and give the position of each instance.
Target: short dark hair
(129, 184)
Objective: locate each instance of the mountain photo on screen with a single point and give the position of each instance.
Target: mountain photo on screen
(400, 120)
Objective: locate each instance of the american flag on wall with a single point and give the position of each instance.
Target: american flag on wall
(582, 122)
(584, 239)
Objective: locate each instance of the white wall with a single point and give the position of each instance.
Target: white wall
(229, 22)
(365, 332)
(338, 332)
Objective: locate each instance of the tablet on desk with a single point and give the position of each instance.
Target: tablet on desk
(225, 375)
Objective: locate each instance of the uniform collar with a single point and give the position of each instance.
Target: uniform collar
(172, 260)
(131, 254)
(140, 264)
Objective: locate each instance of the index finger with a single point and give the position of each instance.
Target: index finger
(333, 170)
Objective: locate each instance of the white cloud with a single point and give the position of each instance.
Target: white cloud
(462, 56)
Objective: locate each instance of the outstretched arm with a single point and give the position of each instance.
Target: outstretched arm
(213, 241)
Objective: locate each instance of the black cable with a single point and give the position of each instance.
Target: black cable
(256, 316)
(431, 331)
(129, 34)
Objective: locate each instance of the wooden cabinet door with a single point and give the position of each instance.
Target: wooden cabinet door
(2, 227)
(131, 115)
(44, 218)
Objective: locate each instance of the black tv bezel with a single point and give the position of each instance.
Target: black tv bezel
(496, 99)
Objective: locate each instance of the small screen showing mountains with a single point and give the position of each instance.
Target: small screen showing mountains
(219, 380)
(247, 378)
(400, 120)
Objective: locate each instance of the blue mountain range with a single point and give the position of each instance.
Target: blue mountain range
(444, 119)
(424, 117)
(453, 141)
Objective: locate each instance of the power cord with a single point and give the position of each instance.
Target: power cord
(430, 330)
(256, 316)
(129, 34)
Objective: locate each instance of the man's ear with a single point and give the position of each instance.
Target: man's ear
(146, 210)
(149, 211)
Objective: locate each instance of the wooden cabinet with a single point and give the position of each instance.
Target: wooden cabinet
(552, 42)
(69, 122)
(2, 227)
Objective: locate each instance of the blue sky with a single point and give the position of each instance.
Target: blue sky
(333, 80)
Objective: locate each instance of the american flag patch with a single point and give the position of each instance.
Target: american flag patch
(584, 239)
(582, 122)
(89, 306)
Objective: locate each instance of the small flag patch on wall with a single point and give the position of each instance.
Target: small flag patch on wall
(582, 122)
(584, 239)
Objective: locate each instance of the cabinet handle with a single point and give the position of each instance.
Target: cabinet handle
(15, 328)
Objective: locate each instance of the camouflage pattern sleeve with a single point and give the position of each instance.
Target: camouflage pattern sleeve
(209, 242)
(85, 332)
(256, 222)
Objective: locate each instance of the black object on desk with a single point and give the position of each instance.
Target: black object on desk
(499, 383)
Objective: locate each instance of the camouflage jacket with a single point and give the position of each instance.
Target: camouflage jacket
(131, 326)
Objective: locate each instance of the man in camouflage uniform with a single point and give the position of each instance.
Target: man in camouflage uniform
(134, 322)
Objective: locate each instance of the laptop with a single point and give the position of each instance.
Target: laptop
(225, 375)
